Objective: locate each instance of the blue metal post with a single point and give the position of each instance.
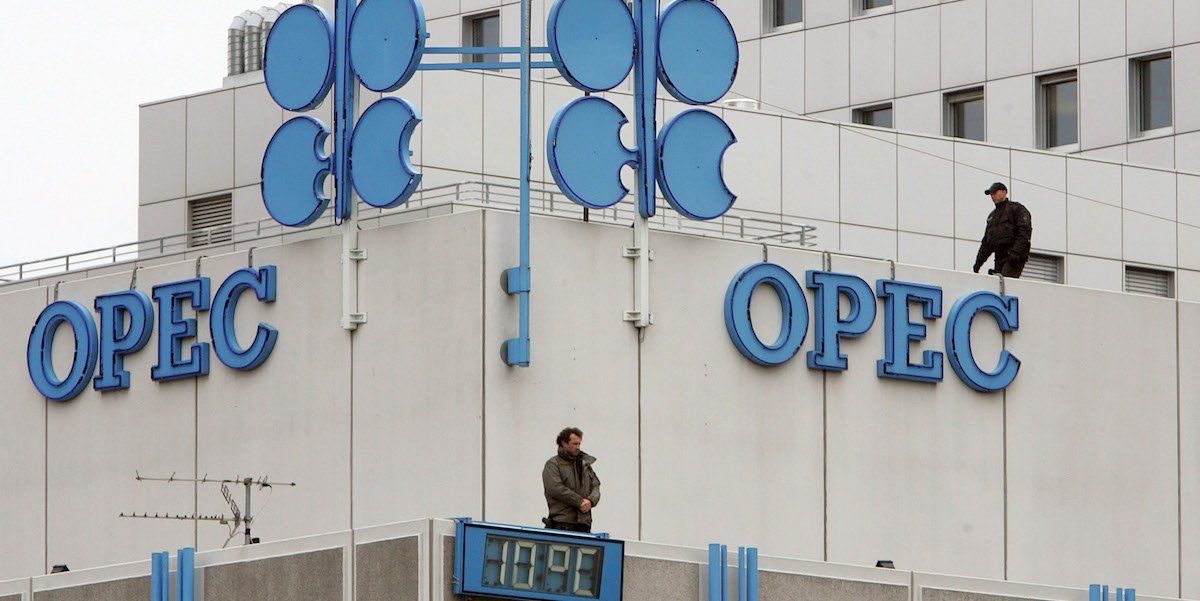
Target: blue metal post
(187, 574)
(517, 280)
(715, 590)
(741, 573)
(645, 82)
(345, 107)
(160, 577)
(752, 574)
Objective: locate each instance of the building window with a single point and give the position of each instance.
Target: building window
(879, 115)
(482, 31)
(870, 4)
(785, 12)
(210, 221)
(1151, 79)
(964, 114)
(1043, 268)
(1153, 282)
(1059, 110)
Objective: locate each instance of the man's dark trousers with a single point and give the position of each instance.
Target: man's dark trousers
(553, 525)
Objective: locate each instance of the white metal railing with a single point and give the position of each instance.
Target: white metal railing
(448, 198)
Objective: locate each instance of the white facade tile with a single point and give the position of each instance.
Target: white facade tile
(868, 161)
(1186, 61)
(755, 181)
(1009, 38)
(1187, 22)
(926, 185)
(902, 5)
(1039, 182)
(1091, 272)
(453, 120)
(162, 162)
(502, 134)
(811, 181)
(872, 68)
(921, 113)
(826, 79)
(442, 8)
(746, 16)
(783, 75)
(1189, 246)
(976, 167)
(1148, 25)
(1109, 153)
(746, 84)
(256, 118)
(1188, 199)
(1103, 103)
(1093, 228)
(965, 252)
(842, 115)
(931, 251)
(1187, 288)
(964, 55)
(1101, 29)
(1055, 34)
(918, 54)
(248, 204)
(868, 241)
(1010, 114)
(1149, 191)
(1187, 152)
(1096, 180)
(818, 13)
(210, 143)
(1158, 152)
(1149, 239)
(470, 6)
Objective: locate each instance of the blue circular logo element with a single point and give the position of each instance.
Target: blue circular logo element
(793, 328)
(690, 152)
(294, 170)
(591, 42)
(586, 154)
(298, 66)
(697, 51)
(387, 39)
(380, 164)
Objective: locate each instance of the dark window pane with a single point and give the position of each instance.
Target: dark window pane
(485, 31)
(788, 11)
(1154, 79)
(1062, 114)
(968, 119)
(881, 117)
(869, 4)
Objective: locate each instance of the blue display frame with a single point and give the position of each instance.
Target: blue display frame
(470, 539)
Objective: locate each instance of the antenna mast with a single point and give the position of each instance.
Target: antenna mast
(237, 517)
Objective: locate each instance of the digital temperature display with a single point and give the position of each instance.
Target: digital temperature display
(514, 562)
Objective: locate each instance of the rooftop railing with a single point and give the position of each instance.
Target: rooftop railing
(451, 198)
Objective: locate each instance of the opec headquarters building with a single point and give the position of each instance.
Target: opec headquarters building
(405, 243)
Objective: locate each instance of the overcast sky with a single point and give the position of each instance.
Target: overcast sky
(74, 73)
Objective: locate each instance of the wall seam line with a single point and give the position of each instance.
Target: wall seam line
(483, 365)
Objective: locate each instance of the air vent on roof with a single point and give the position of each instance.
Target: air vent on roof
(1044, 268)
(248, 37)
(1153, 282)
(210, 221)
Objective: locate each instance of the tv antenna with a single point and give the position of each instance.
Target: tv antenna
(234, 521)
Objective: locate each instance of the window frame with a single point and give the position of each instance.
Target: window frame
(468, 36)
(859, 113)
(1135, 96)
(1043, 82)
(769, 25)
(953, 97)
(859, 9)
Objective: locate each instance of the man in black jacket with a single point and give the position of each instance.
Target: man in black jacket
(1008, 233)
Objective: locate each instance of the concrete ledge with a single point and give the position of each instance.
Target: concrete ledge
(313, 576)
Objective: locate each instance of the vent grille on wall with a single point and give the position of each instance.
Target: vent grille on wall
(1044, 268)
(210, 220)
(1153, 282)
(248, 37)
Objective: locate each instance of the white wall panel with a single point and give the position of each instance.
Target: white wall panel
(699, 424)
(746, 17)
(755, 181)
(747, 83)
(160, 219)
(1055, 34)
(290, 418)
(1010, 115)
(1110, 153)
(584, 370)
(783, 73)
(1189, 247)
(868, 241)
(926, 185)
(1038, 182)
(1093, 228)
(412, 92)
(932, 502)
(210, 147)
(963, 51)
(920, 249)
(1092, 440)
(811, 172)
(453, 121)
(826, 79)
(247, 205)
(162, 161)
(976, 168)
(1102, 102)
(424, 300)
(1158, 152)
(818, 13)
(1187, 22)
(1148, 239)
(502, 133)
(1188, 199)
(872, 64)
(1186, 62)
(868, 160)
(1148, 25)
(444, 8)
(1009, 38)
(921, 113)
(1101, 29)
(256, 117)
(1149, 191)
(1189, 447)
(22, 443)
(1100, 274)
(1187, 152)
(902, 5)
(97, 441)
(1187, 285)
(918, 53)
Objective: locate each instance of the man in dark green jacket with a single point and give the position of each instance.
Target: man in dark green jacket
(571, 486)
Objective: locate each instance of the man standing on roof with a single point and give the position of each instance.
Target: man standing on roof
(571, 486)
(1008, 234)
